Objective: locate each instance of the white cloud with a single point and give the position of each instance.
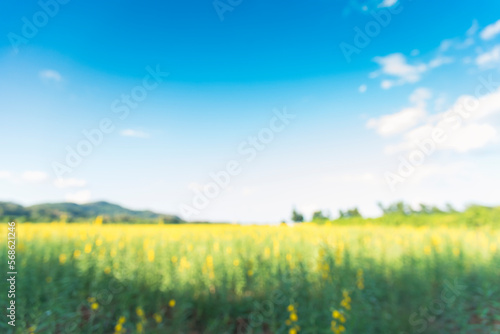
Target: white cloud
(395, 65)
(489, 58)
(68, 183)
(362, 88)
(388, 3)
(386, 84)
(438, 61)
(473, 29)
(445, 45)
(405, 119)
(420, 96)
(50, 75)
(469, 137)
(34, 176)
(469, 134)
(490, 31)
(79, 197)
(460, 43)
(5, 175)
(134, 133)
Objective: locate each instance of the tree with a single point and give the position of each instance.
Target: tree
(319, 215)
(350, 213)
(297, 217)
(397, 208)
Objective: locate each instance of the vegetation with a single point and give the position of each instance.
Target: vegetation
(401, 273)
(402, 214)
(71, 212)
(297, 217)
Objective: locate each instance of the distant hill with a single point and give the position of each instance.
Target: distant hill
(112, 213)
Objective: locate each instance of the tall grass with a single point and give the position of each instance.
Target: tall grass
(88, 278)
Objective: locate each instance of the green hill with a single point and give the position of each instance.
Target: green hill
(80, 212)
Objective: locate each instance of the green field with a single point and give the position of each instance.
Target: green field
(355, 276)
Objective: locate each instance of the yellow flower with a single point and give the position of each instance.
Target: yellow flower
(288, 322)
(290, 308)
(236, 263)
(139, 327)
(250, 272)
(77, 253)
(88, 248)
(122, 320)
(118, 327)
(107, 270)
(294, 317)
(151, 255)
(292, 331)
(62, 258)
(94, 306)
(210, 261)
(157, 318)
(32, 329)
(174, 259)
(336, 314)
(139, 312)
(346, 302)
(171, 303)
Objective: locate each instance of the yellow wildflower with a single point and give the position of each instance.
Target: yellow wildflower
(157, 318)
(139, 312)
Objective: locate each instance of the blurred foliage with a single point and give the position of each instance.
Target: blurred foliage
(71, 212)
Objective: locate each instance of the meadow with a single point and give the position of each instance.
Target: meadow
(307, 278)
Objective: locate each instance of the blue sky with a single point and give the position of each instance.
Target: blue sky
(232, 67)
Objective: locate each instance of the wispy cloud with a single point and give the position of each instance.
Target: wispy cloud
(473, 134)
(5, 175)
(79, 197)
(69, 183)
(401, 72)
(405, 119)
(490, 31)
(388, 3)
(50, 75)
(134, 133)
(489, 58)
(34, 176)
